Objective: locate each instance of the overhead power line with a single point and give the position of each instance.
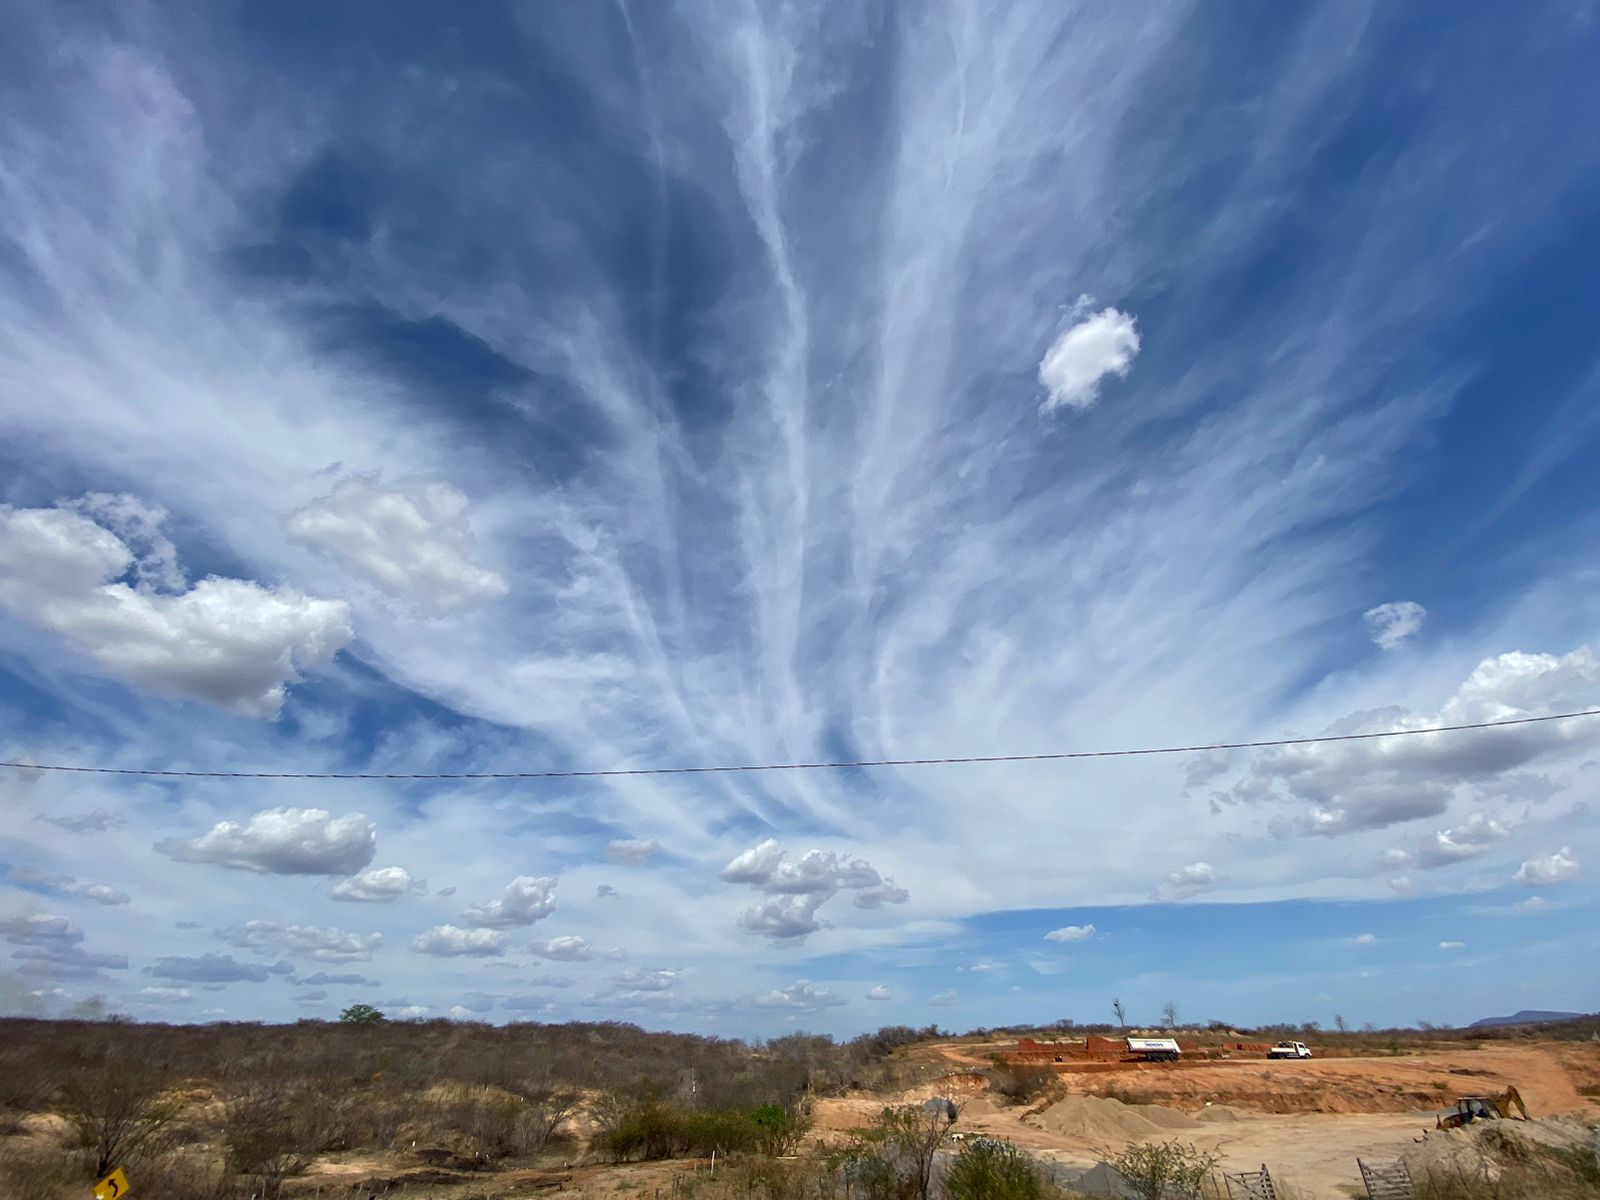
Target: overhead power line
(806, 766)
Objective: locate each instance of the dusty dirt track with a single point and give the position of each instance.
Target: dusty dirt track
(1308, 1121)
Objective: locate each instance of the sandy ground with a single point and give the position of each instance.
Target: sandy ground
(1308, 1121)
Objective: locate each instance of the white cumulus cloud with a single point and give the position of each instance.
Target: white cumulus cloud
(1070, 933)
(526, 899)
(321, 944)
(1390, 625)
(1348, 787)
(797, 887)
(411, 540)
(880, 992)
(783, 918)
(568, 948)
(1094, 346)
(800, 996)
(452, 941)
(283, 841)
(1452, 945)
(380, 885)
(231, 642)
(1187, 881)
(1552, 868)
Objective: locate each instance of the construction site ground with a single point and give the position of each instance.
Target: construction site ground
(1307, 1121)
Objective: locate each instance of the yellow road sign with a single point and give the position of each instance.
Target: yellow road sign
(113, 1187)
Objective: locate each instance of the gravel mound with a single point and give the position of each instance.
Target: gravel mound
(1102, 1119)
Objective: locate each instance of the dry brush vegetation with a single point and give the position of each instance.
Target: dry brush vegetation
(227, 1111)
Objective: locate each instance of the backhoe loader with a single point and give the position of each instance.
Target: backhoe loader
(1482, 1108)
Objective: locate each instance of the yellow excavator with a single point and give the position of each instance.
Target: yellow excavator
(1482, 1108)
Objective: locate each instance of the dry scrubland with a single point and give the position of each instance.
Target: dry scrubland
(446, 1111)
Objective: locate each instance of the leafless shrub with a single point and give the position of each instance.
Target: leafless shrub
(117, 1111)
(269, 1134)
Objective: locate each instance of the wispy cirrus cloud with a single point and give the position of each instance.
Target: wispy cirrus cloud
(295, 425)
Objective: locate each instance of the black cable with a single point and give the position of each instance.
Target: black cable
(802, 766)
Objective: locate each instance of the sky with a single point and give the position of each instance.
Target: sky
(388, 388)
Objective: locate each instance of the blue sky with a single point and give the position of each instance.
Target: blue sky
(529, 387)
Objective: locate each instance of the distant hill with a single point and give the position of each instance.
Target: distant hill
(1528, 1016)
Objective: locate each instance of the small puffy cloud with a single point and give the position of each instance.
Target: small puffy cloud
(283, 841)
(646, 979)
(380, 885)
(208, 968)
(880, 993)
(99, 893)
(1094, 346)
(316, 997)
(605, 892)
(982, 968)
(783, 918)
(446, 891)
(62, 885)
(1390, 625)
(1552, 868)
(230, 642)
(943, 999)
(1364, 939)
(797, 887)
(564, 949)
(410, 540)
(165, 995)
(323, 979)
(755, 865)
(100, 820)
(1452, 945)
(526, 899)
(451, 941)
(1472, 838)
(322, 945)
(1532, 904)
(631, 852)
(800, 996)
(1187, 881)
(880, 894)
(1070, 933)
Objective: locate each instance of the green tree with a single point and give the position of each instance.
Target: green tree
(360, 1014)
(1165, 1170)
(989, 1169)
(780, 1130)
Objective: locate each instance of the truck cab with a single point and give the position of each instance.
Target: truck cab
(1290, 1050)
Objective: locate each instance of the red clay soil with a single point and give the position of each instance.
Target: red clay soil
(1548, 1076)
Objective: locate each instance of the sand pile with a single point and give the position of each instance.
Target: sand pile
(1102, 1119)
(1219, 1113)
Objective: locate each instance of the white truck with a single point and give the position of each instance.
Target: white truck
(1290, 1050)
(1154, 1049)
